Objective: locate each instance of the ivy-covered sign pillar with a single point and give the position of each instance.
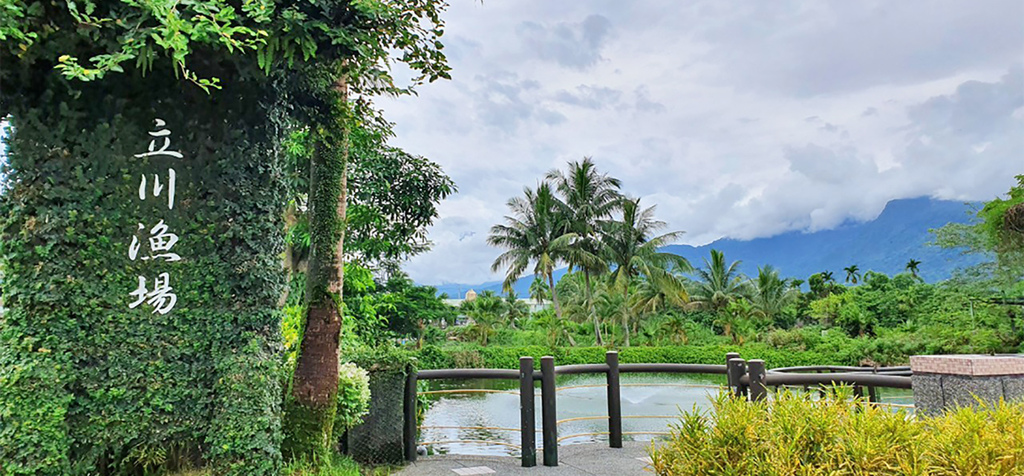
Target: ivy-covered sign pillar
(141, 285)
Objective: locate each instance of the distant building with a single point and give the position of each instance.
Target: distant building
(470, 295)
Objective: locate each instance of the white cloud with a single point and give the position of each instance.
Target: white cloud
(744, 119)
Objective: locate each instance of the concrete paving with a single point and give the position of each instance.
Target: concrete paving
(573, 460)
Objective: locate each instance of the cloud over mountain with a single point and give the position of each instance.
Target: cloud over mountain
(739, 119)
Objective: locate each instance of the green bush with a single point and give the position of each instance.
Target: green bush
(795, 435)
(353, 397)
(475, 356)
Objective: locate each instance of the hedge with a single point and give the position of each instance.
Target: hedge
(475, 356)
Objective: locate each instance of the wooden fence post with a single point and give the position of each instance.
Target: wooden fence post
(614, 401)
(728, 375)
(526, 412)
(409, 412)
(757, 372)
(548, 412)
(737, 367)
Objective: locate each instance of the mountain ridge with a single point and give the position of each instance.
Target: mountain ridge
(885, 244)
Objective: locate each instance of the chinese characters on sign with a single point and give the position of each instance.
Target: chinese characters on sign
(161, 241)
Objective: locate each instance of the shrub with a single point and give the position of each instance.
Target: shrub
(353, 397)
(794, 434)
(475, 356)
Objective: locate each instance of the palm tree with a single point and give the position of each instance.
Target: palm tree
(733, 319)
(771, 293)
(912, 268)
(485, 311)
(587, 197)
(539, 290)
(628, 244)
(649, 298)
(533, 233)
(718, 284)
(827, 277)
(611, 307)
(852, 273)
(555, 328)
(515, 310)
(675, 326)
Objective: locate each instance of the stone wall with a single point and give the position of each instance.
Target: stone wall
(950, 381)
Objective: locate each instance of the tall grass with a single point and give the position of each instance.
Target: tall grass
(838, 436)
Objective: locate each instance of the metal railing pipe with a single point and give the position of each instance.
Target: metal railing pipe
(526, 412)
(614, 401)
(548, 412)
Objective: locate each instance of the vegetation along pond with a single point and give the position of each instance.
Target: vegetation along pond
(453, 419)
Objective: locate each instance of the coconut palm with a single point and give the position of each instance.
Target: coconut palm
(514, 309)
(675, 326)
(611, 307)
(771, 294)
(912, 267)
(852, 273)
(539, 290)
(587, 196)
(718, 284)
(485, 312)
(629, 244)
(734, 319)
(649, 298)
(533, 233)
(555, 329)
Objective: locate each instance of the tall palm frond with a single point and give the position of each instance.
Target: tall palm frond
(587, 196)
(534, 233)
(718, 284)
(630, 244)
(771, 294)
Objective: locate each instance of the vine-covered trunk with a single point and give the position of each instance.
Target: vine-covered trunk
(313, 402)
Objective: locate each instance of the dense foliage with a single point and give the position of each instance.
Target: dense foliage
(795, 435)
(201, 374)
(629, 294)
(87, 384)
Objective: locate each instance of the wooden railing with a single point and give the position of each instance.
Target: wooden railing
(748, 379)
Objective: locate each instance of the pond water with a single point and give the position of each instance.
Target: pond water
(495, 415)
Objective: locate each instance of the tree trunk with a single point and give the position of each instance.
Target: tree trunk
(554, 295)
(625, 311)
(590, 307)
(310, 410)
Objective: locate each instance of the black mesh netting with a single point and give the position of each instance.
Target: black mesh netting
(379, 439)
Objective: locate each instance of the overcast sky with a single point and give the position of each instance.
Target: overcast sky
(738, 119)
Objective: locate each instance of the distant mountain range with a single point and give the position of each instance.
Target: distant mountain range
(885, 244)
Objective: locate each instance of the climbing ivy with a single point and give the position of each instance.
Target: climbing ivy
(87, 385)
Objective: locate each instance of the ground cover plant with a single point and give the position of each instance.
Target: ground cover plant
(793, 434)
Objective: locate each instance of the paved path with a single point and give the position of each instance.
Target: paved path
(573, 460)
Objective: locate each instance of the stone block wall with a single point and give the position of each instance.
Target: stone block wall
(949, 381)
